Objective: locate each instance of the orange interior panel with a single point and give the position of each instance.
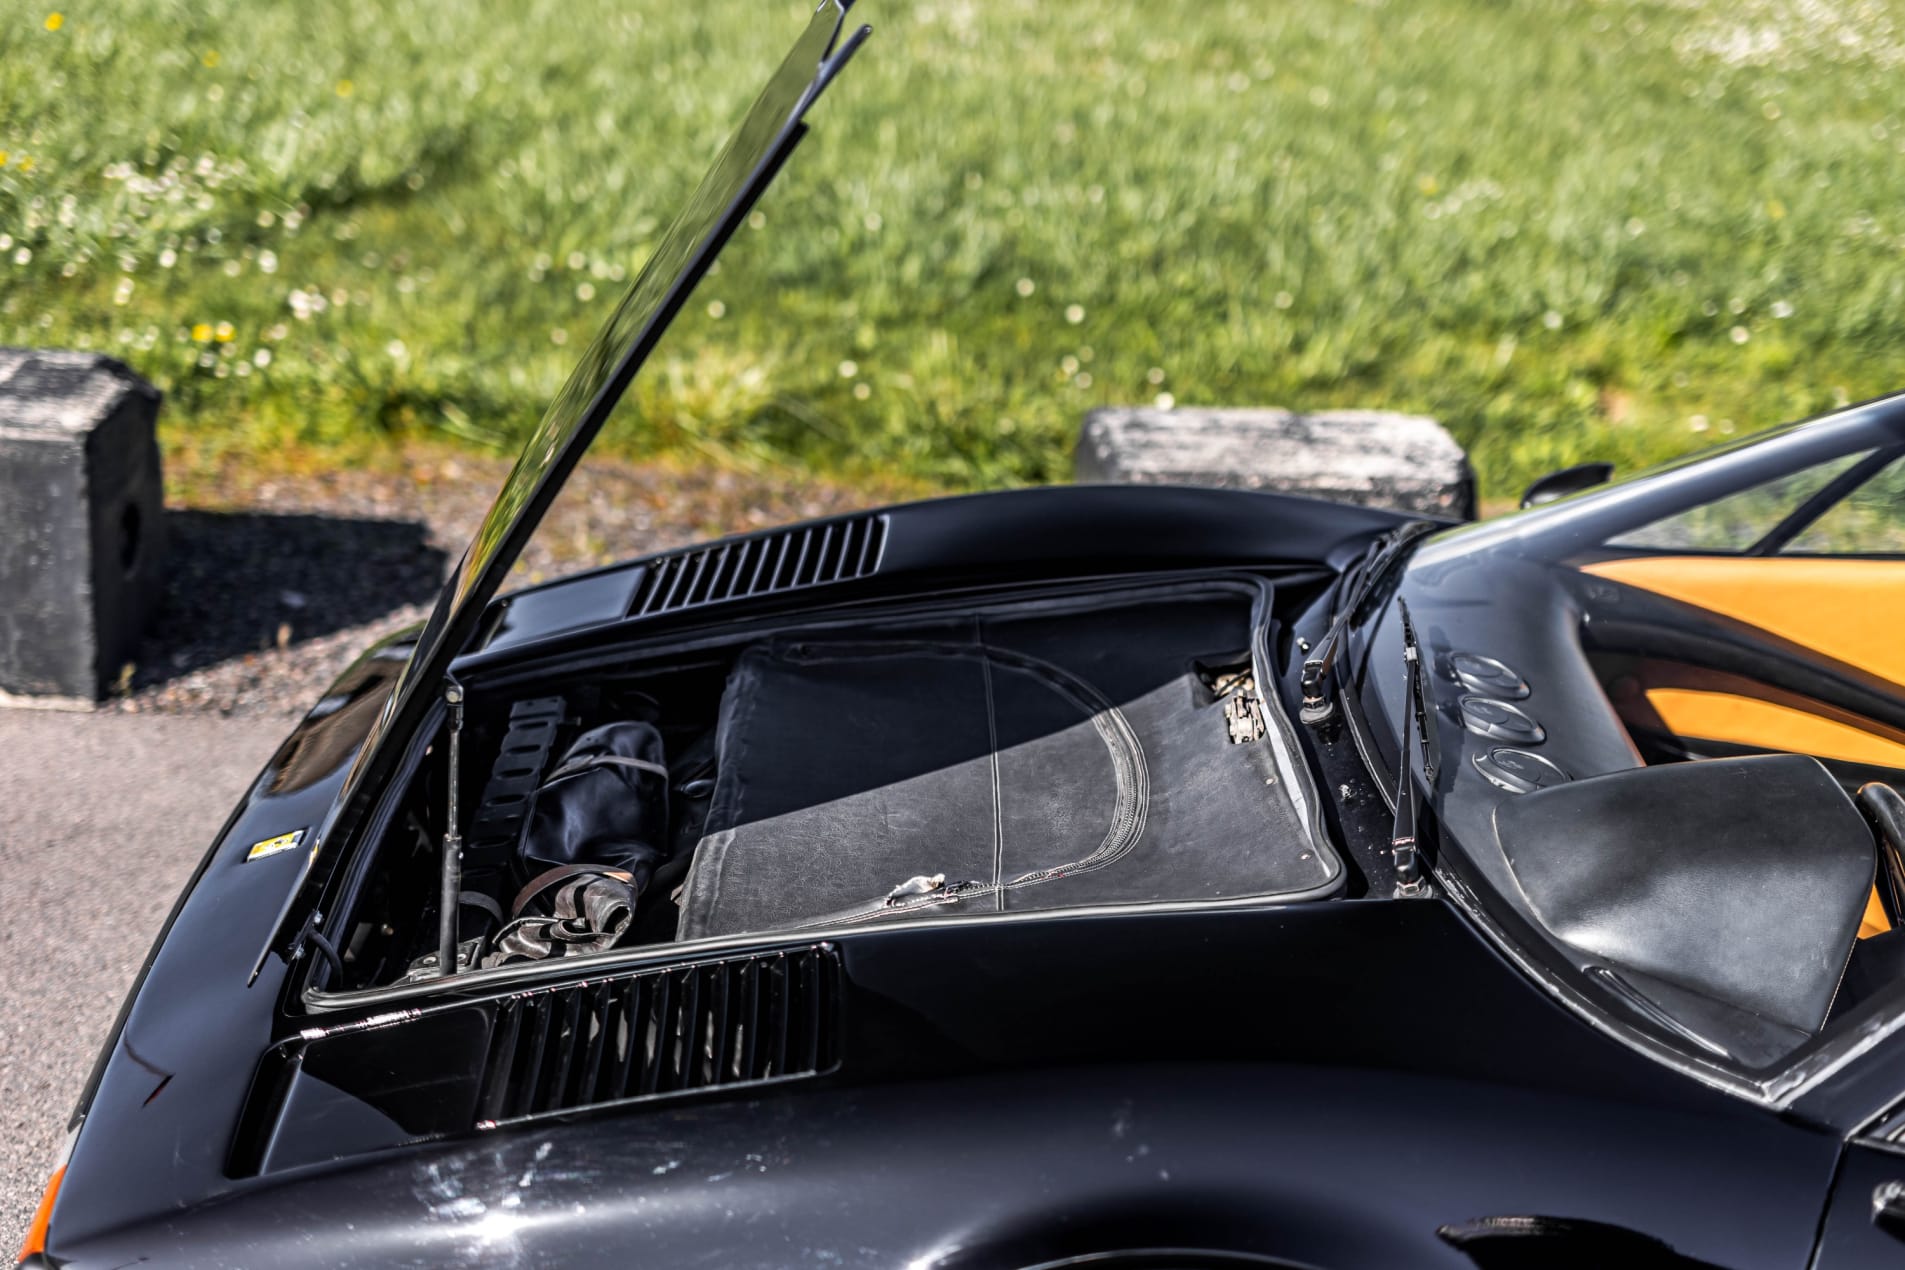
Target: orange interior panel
(1715, 716)
(1848, 609)
(1875, 922)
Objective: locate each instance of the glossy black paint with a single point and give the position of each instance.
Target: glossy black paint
(988, 540)
(1150, 996)
(1855, 1235)
(177, 1063)
(1264, 1081)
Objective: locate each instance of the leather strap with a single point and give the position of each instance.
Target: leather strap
(543, 881)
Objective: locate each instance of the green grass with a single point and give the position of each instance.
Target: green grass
(1615, 229)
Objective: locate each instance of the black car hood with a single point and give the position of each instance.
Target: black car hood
(745, 167)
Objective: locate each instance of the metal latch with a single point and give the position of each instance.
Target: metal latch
(1243, 708)
(921, 885)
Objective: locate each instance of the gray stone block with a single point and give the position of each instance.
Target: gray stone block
(1369, 457)
(81, 536)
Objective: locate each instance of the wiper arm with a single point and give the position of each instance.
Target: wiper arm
(1418, 728)
(1319, 670)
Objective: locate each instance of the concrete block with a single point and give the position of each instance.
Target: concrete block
(1370, 457)
(82, 548)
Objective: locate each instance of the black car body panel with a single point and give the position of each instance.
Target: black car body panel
(986, 540)
(1280, 1083)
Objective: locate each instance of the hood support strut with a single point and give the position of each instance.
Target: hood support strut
(452, 873)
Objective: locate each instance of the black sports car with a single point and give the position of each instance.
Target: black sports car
(1075, 876)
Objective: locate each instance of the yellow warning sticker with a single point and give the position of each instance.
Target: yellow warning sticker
(272, 846)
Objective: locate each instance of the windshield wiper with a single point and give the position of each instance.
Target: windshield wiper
(1418, 728)
(1319, 670)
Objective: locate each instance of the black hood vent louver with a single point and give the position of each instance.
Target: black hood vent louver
(745, 1021)
(809, 555)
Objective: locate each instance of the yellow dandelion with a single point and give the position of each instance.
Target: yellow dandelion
(54, 21)
(224, 332)
(210, 60)
(26, 163)
(202, 332)
(3, 158)
(345, 88)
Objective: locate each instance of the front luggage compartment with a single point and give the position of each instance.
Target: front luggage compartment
(1075, 749)
(1043, 756)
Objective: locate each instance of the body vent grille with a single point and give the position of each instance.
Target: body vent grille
(836, 551)
(659, 1032)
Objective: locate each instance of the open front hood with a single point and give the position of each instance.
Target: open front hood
(746, 165)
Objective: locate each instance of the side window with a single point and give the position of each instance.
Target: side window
(1732, 525)
(1870, 521)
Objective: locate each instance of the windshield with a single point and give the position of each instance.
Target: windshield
(1719, 611)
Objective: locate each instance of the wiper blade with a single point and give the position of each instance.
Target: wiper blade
(1319, 670)
(1418, 728)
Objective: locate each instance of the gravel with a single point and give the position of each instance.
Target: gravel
(275, 585)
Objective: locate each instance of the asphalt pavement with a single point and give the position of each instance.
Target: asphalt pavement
(102, 819)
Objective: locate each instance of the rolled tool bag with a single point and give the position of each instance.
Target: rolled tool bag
(1027, 760)
(596, 828)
